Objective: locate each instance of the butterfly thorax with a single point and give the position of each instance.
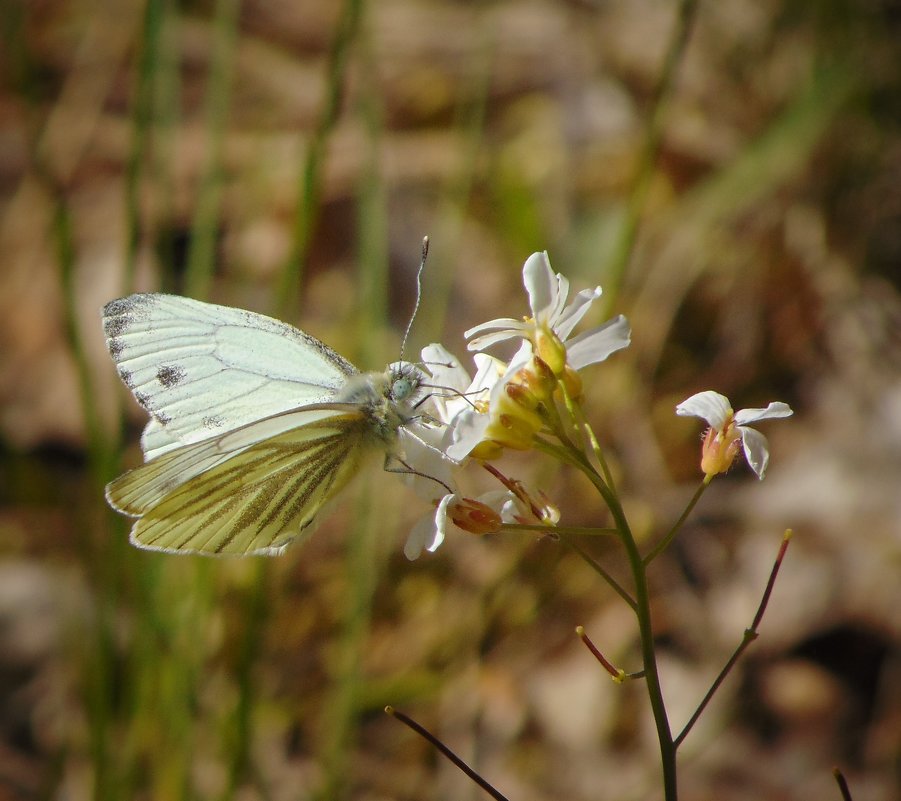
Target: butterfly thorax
(388, 399)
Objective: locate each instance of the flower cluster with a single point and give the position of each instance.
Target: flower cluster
(506, 405)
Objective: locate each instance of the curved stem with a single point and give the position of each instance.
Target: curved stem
(600, 570)
(642, 611)
(748, 637)
(661, 546)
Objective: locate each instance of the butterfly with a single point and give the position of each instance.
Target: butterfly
(254, 425)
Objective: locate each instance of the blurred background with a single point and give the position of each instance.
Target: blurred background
(730, 172)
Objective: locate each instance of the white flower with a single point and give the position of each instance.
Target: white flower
(453, 390)
(459, 402)
(548, 292)
(727, 428)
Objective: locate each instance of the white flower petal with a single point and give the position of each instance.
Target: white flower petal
(541, 284)
(488, 371)
(428, 533)
(553, 313)
(709, 406)
(445, 368)
(498, 324)
(519, 359)
(421, 534)
(434, 468)
(467, 431)
(591, 347)
(514, 329)
(756, 450)
(569, 317)
(773, 411)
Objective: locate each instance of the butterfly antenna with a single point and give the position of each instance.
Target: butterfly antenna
(425, 255)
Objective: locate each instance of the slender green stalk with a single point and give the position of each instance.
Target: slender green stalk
(599, 569)
(581, 424)
(576, 531)
(205, 226)
(141, 128)
(661, 546)
(471, 115)
(363, 562)
(642, 612)
(343, 709)
(241, 767)
(650, 148)
(310, 179)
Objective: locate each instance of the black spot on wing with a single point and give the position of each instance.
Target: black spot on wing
(126, 377)
(162, 418)
(170, 375)
(115, 348)
(114, 327)
(119, 314)
(212, 422)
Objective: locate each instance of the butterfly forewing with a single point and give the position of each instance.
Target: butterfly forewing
(199, 368)
(259, 499)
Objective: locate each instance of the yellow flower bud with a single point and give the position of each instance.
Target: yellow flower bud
(539, 378)
(550, 350)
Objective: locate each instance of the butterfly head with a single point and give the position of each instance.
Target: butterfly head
(404, 381)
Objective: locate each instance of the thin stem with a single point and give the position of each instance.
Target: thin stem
(600, 570)
(576, 531)
(649, 654)
(661, 546)
(205, 225)
(642, 611)
(650, 148)
(310, 180)
(588, 431)
(431, 738)
(617, 674)
(842, 784)
(141, 128)
(749, 636)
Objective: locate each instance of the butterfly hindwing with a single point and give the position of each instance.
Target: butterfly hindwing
(256, 500)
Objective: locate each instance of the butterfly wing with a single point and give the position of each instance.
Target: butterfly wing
(199, 368)
(239, 494)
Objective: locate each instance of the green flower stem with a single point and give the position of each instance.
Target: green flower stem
(551, 417)
(664, 543)
(642, 611)
(599, 569)
(648, 652)
(543, 528)
(310, 178)
(575, 413)
(648, 153)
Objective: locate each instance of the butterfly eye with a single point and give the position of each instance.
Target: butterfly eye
(402, 388)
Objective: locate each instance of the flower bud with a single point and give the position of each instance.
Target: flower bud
(550, 350)
(539, 378)
(573, 383)
(473, 516)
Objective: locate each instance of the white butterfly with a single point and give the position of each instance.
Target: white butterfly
(254, 425)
